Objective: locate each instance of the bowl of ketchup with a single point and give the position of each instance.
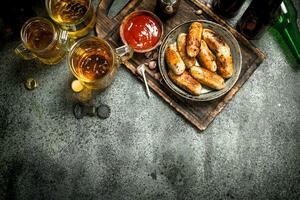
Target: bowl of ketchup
(142, 30)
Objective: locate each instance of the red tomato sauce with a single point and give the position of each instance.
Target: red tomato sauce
(142, 32)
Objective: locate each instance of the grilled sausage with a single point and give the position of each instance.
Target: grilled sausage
(186, 82)
(207, 77)
(207, 58)
(222, 50)
(194, 39)
(181, 45)
(174, 60)
(225, 65)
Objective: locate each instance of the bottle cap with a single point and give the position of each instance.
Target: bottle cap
(30, 84)
(103, 111)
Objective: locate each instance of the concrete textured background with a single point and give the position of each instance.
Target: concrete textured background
(145, 150)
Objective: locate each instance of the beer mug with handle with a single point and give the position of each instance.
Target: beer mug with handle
(94, 62)
(42, 40)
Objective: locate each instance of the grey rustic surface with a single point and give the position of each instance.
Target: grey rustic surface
(145, 150)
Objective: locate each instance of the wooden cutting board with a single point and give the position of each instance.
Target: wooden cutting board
(200, 114)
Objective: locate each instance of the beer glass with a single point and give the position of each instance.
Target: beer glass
(42, 40)
(94, 62)
(75, 16)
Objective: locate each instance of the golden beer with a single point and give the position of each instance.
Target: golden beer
(92, 61)
(41, 40)
(75, 16)
(95, 63)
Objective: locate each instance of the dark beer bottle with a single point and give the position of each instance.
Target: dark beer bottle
(227, 8)
(258, 17)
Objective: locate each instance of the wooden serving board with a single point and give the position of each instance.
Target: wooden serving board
(200, 114)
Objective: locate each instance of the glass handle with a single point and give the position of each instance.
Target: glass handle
(124, 53)
(63, 38)
(24, 53)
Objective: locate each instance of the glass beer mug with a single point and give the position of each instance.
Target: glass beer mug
(75, 16)
(42, 40)
(95, 63)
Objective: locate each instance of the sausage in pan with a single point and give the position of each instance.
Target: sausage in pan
(207, 58)
(186, 82)
(207, 77)
(194, 39)
(181, 44)
(174, 60)
(222, 50)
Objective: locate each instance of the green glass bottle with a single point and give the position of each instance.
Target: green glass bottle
(286, 25)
